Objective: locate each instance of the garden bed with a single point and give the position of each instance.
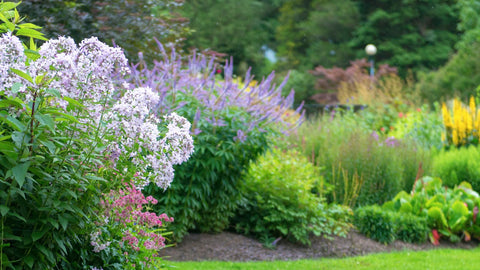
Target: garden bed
(227, 246)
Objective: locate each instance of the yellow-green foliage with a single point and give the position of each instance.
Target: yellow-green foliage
(458, 164)
(282, 198)
(436, 218)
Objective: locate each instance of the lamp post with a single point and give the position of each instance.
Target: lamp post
(371, 50)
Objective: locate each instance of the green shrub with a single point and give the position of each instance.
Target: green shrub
(385, 226)
(278, 200)
(410, 228)
(456, 165)
(375, 223)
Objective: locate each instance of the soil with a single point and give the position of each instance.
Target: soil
(227, 246)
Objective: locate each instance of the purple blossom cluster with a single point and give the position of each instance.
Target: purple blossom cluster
(86, 73)
(197, 78)
(389, 141)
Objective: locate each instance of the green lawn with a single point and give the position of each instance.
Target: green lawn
(424, 260)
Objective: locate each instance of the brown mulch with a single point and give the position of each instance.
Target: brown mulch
(227, 246)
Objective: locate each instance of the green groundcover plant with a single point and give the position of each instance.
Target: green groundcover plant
(448, 213)
(64, 140)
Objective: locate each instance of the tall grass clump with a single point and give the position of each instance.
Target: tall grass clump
(456, 165)
(365, 167)
(232, 122)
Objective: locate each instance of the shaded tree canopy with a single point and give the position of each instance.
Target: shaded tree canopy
(133, 24)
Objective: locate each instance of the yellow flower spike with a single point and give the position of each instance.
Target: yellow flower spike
(454, 137)
(473, 108)
(447, 121)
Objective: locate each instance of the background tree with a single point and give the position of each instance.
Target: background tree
(460, 76)
(232, 27)
(316, 32)
(133, 25)
(409, 34)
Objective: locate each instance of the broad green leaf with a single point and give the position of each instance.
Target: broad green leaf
(53, 222)
(20, 172)
(29, 261)
(38, 234)
(13, 214)
(5, 6)
(63, 221)
(53, 92)
(73, 102)
(47, 252)
(30, 33)
(29, 25)
(3, 138)
(13, 237)
(18, 138)
(32, 54)
(4, 210)
(22, 74)
(45, 120)
(8, 149)
(60, 243)
(13, 122)
(50, 145)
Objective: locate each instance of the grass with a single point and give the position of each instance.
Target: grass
(440, 259)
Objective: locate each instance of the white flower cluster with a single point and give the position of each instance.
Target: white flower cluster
(11, 56)
(132, 121)
(82, 73)
(85, 73)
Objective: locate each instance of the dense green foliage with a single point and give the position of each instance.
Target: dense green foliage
(386, 226)
(205, 191)
(278, 201)
(47, 195)
(132, 25)
(456, 165)
(408, 34)
(231, 27)
(458, 78)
